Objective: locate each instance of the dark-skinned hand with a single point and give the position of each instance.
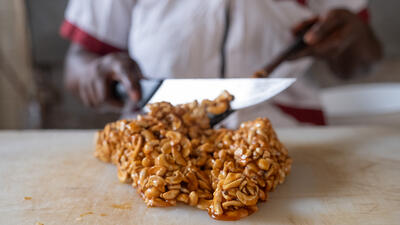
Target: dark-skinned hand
(341, 39)
(95, 87)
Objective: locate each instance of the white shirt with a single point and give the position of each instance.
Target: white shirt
(183, 38)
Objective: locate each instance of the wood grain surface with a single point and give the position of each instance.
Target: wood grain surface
(339, 176)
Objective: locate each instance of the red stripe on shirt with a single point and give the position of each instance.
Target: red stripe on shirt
(79, 36)
(364, 15)
(302, 2)
(303, 115)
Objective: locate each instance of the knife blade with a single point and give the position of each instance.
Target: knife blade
(247, 91)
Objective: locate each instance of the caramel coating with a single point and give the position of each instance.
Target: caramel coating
(172, 155)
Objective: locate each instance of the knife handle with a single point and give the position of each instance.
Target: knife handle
(148, 88)
(297, 45)
(118, 91)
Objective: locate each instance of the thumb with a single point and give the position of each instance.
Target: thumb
(299, 29)
(135, 92)
(131, 86)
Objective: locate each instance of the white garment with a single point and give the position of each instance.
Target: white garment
(183, 38)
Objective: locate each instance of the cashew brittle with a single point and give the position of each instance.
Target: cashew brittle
(172, 155)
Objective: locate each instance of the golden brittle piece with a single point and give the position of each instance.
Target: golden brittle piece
(172, 155)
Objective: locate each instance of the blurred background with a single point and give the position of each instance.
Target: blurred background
(32, 55)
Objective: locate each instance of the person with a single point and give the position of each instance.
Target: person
(128, 40)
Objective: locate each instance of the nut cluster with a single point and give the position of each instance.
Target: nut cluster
(172, 155)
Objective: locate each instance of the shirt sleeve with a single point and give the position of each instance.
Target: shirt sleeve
(100, 26)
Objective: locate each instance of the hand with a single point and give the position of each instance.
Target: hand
(95, 86)
(341, 39)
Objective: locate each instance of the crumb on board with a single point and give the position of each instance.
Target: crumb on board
(82, 215)
(122, 206)
(85, 214)
(27, 198)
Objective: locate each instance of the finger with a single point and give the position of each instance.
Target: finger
(322, 29)
(299, 28)
(97, 92)
(93, 100)
(129, 76)
(83, 95)
(136, 90)
(135, 76)
(131, 85)
(334, 44)
(100, 90)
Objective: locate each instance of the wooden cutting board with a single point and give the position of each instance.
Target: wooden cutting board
(339, 176)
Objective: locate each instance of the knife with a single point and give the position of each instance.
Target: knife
(297, 45)
(247, 91)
